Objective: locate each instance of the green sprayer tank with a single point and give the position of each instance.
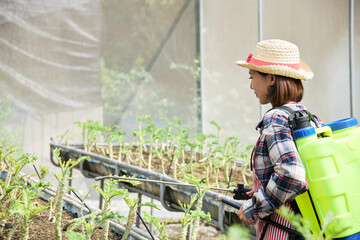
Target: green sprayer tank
(331, 156)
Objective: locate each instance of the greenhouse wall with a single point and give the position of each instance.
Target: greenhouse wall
(112, 61)
(321, 29)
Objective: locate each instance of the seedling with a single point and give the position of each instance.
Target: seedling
(65, 136)
(10, 188)
(116, 135)
(154, 135)
(218, 127)
(198, 213)
(8, 196)
(90, 132)
(140, 133)
(161, 226)
(127, 150)
(94, 219)
(187, 217)
(133, 204)
(61, 189)
(169, 134)
(82, 199)
(161, 156)
(110, 191)
(175, 149)
(26, 209)
(90, 222)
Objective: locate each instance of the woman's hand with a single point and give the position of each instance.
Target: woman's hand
(250, 193)
(243, 218)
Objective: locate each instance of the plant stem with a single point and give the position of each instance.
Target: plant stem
(175, 165)
(149, 159)
(25, 231)
(120, 153)
(13, 229)
(130, 221)
(69, 223)
(51, 204)
(198, 208)
(184, 232)
(217, 177)
(227, 170)
(207, 175)
(58, 232)
(191, 161)
(105, 231)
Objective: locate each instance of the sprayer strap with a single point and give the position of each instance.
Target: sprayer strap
(291, 121)
(292, 115)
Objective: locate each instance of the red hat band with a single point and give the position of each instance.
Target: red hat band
(260, 63)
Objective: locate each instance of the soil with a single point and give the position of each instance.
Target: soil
(41, 228)
(198, 169)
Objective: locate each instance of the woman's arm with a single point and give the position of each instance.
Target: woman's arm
(279, 168)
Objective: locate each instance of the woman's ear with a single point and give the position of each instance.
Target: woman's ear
(272, 79)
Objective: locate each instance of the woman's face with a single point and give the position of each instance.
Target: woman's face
(260, 84)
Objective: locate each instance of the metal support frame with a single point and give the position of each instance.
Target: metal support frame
(166, 204)
(201, 53)
(260, 38)
(351, 58)
(101, 199)
(120, 168)
(137, 221)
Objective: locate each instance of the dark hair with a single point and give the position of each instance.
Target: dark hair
(285, 89)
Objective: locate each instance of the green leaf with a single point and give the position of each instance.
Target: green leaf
(236, 232)
(202, 214)
(148, 204)
(97, 187)
(132, 182)
(74, 235)
(119, 218)
(119, 192)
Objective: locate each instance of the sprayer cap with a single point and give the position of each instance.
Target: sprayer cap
(342, 124)
(304, 132)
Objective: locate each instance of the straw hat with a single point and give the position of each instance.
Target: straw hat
(278, 57)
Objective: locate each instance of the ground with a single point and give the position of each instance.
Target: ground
(42, 228)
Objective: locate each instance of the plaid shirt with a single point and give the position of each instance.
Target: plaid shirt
(276, 164)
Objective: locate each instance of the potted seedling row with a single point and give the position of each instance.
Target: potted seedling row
(167, 153)
(19, 194)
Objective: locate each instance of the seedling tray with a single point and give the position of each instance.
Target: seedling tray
(222, 215)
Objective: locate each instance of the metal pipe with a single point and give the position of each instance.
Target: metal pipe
(161, 182)
(201, 40)
(138, 211)
(351, 58)
(101, 197)
(260, 38)
(211, 198)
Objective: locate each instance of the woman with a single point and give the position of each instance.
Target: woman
(276, 72)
